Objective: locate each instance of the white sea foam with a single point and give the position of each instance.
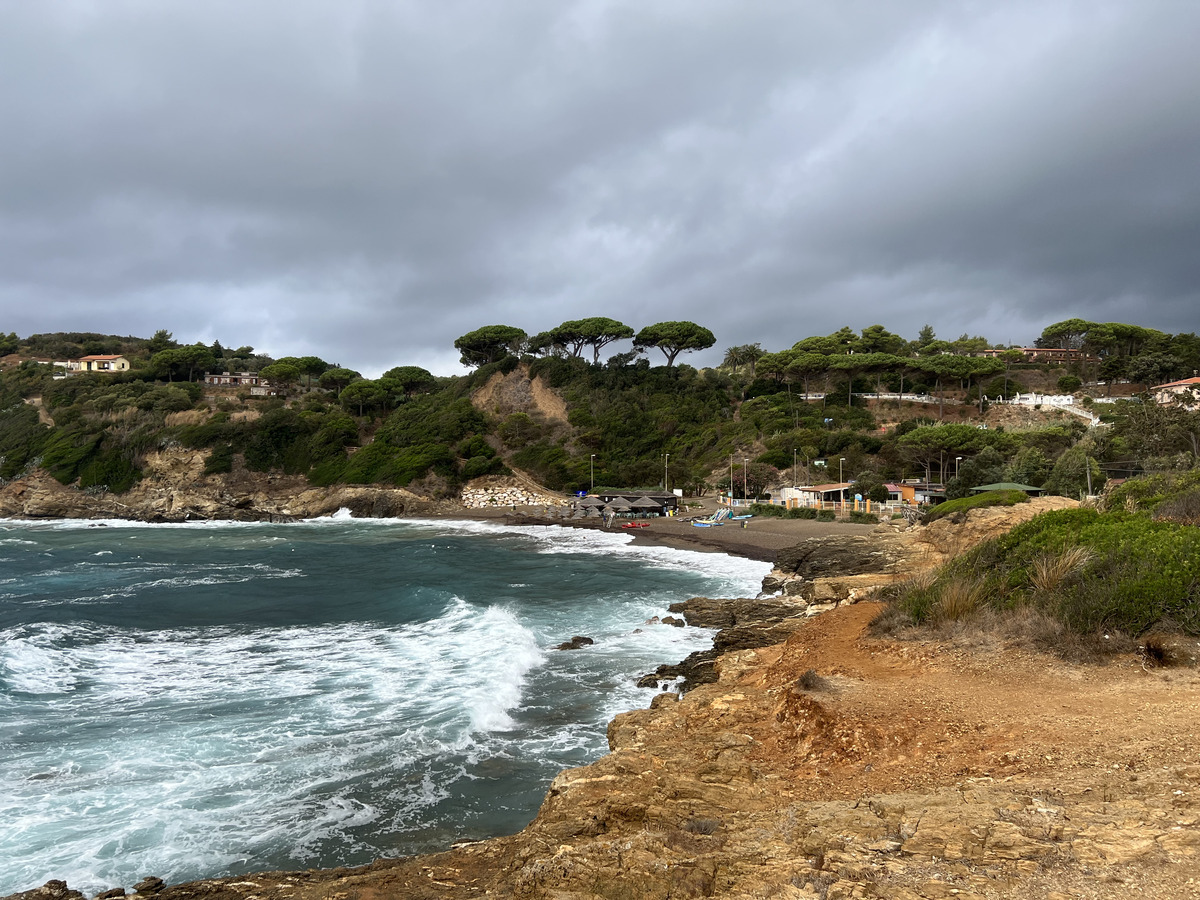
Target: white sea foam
(739, 576)
(228, 743)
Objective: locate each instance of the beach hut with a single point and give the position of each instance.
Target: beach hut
(619, 507)
(645, 505)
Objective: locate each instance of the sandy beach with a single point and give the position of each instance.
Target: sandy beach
(760, 539)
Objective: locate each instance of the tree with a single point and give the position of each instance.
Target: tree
(744, 355)
(9, 343)
(673, 338)
(489, 344)
(1154, 368)
(281, 374)
(826, 346)
(1073, 473)
(177, 360)
(363, 395)
(308, 366)
(336, 379)
(803, 367)
(597, 332)
(926, 336)
(411, 379)
(877, 339)
(546, 343)
(938, 443)
(1068, 334)
(162, 340)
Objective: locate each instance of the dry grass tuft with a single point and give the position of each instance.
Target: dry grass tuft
(188, 417)
(811, 681)
(1049, 571)
(959, 598)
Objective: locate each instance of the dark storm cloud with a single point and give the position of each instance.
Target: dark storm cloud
(368, 180)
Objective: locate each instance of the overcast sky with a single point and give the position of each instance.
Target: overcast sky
(366, 181)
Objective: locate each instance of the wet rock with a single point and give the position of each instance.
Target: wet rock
(111, 895)
(150, 885)
(703, 612)
(837, 555)
(772, 584)
(671, 620)
(51, 890)
(575, 643)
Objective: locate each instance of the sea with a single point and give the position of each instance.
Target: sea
(210, 699)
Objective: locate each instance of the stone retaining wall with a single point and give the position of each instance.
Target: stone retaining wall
(501, 497)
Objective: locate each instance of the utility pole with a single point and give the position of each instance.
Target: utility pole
(746, 479)
(593, 467)
(666, 459)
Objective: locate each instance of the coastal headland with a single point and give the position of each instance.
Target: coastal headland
(814, 759)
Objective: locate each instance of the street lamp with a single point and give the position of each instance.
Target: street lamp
(666, 459)
(793, 468)
(957, 460)
(745, 479)
(840, 461)
(593, 467)
(842, 483)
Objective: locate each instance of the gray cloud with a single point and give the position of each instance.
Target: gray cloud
(368, 180)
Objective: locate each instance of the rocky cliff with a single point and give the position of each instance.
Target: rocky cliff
(175, 489)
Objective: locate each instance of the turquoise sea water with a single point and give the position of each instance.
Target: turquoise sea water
(198, 700)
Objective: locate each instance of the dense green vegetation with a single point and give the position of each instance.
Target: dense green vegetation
(760, 420)
(1086, 571)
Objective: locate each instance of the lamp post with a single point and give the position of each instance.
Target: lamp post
(841, 483)
(793, 468)
(666, 459)
(745, 479)
(957, 460)
(731, 479)
(593, 468)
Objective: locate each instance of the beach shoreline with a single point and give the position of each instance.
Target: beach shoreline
(760, 538)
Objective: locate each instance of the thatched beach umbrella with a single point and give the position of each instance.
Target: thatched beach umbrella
(591, 501)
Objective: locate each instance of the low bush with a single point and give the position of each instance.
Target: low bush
(861, 517)
(978, 501)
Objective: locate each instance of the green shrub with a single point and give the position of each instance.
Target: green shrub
(826, 515)
(22, 438)
(977, 501)
(220, 460)
(861, 517)
(68, 451)
(1091, 572)
(111, 471)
